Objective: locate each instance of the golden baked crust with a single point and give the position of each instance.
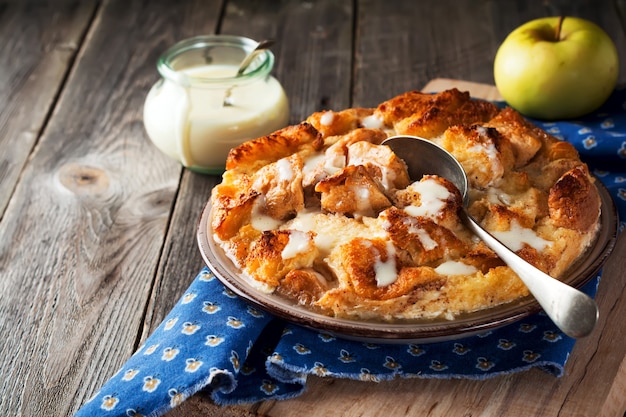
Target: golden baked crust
(325, 215)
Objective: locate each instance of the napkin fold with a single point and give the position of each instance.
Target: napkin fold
(216, 343)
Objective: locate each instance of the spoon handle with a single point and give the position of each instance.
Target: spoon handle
(262, 46)
(573, 311)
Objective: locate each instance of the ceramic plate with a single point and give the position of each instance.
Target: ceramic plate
(423, 331)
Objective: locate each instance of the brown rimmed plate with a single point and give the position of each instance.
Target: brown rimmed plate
(415, 331)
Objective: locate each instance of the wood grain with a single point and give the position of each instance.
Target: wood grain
(400, 46)
(314, 51)
(273, 20)
(180, 259)
(39, 43)
(82, 236)
(313, 61)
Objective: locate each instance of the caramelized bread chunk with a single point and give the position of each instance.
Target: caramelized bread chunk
(525, 138)
(484, 153)
(332, 123)
(574, 201)
(353, 192)
(250, 156)
(305, 286)
(270, 257)
(429, 115)
(280, 184)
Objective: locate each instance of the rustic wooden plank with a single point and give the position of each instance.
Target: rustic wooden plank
(314, 52)
(312, 65)
(39, 42)
(81, 240)
(181, 260)
(313, 62)
(82, 237)
(403, 45)
(620, 8)
(597, 367)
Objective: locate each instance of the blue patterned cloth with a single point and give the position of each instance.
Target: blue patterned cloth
(214, 342)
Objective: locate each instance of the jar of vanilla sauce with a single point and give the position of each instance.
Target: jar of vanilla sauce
(201, 108)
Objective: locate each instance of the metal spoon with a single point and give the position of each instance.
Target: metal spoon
(261, 46)
(573, 311)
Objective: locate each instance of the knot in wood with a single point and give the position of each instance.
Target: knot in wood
(82, 179)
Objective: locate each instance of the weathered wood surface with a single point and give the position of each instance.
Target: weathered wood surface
(37, 50)
(97, 229)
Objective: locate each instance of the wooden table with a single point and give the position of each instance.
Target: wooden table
(97, 227)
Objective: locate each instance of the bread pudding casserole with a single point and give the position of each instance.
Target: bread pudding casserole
(323, 214)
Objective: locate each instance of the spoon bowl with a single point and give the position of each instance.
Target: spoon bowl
(571, 310)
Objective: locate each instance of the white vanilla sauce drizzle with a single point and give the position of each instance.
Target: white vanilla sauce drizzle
(306, 222)
(433, 197)
(516, 236)
(497, 196)
(285, 171)
(373, 122)
(489, 149)
(427, 242)
(362, 197)
(386, 272)
(327, 118)
(260, 220)
(388, 175)
(334, 162)
(312, 162)
(299, 242)
(455, 268)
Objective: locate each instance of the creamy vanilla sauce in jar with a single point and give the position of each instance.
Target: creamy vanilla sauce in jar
(185, 115)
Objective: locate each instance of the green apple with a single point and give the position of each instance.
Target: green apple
(556, 68)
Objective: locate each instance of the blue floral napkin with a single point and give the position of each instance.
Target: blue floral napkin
(215, 342)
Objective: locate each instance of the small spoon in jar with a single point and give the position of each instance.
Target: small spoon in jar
(571, 310)
(261, 46)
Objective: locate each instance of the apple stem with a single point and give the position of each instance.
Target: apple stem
(558, 28)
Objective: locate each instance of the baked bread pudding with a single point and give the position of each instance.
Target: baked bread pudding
(323, 214)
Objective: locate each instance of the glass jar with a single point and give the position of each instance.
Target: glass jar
(200, 109)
